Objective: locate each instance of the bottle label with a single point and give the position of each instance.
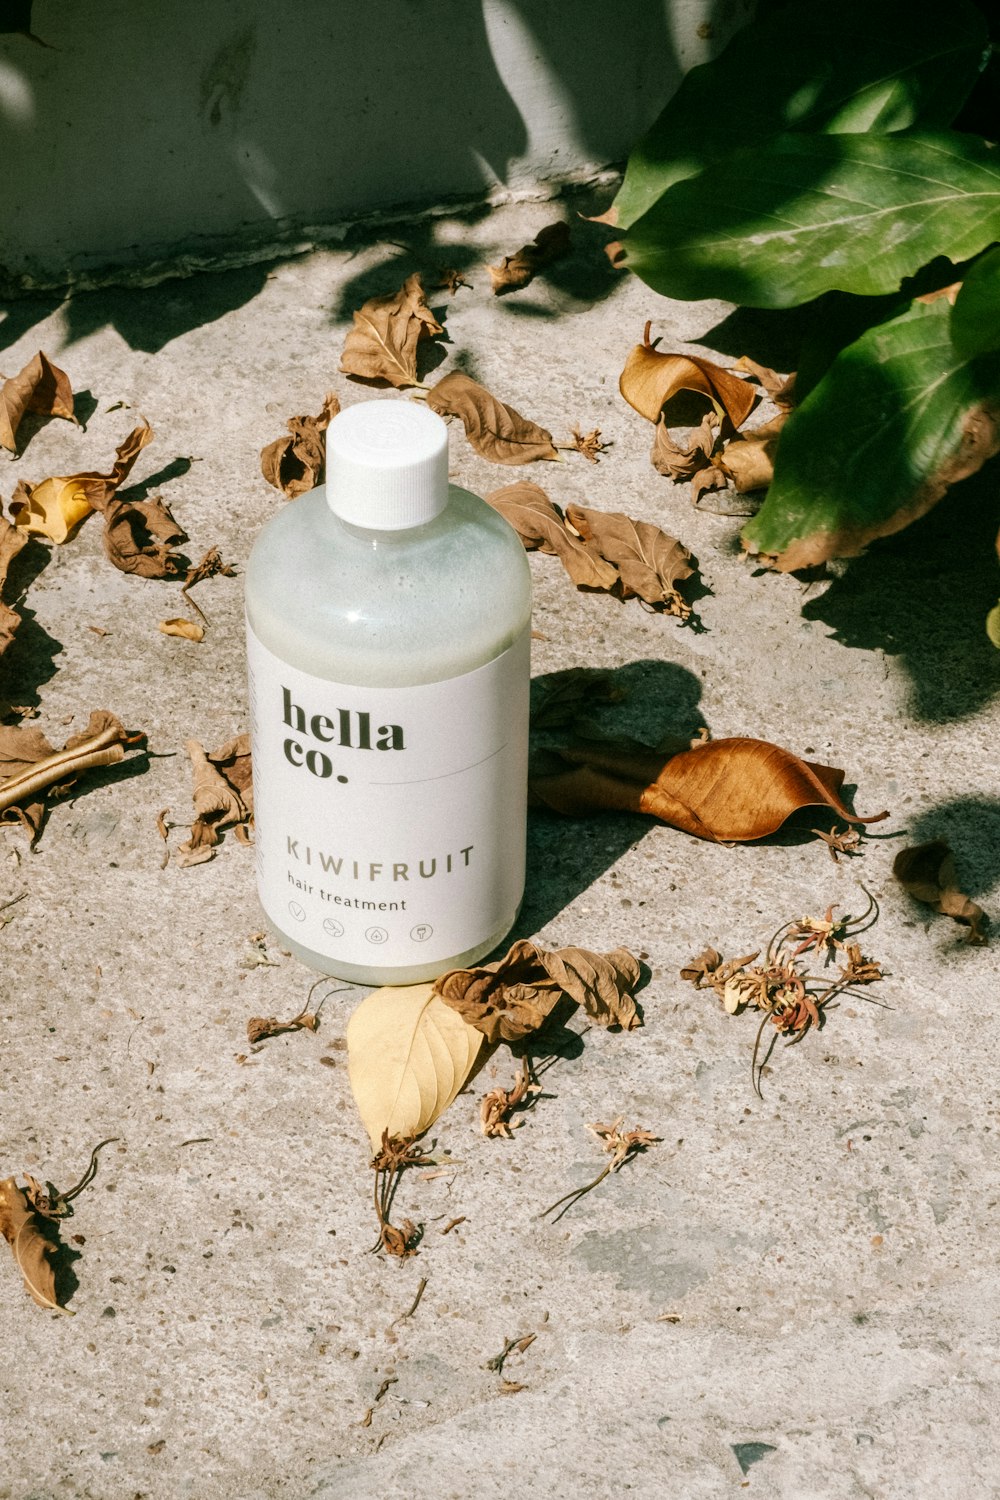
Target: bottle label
(390, 822)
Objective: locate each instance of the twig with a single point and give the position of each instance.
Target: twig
(524, 1341)
(416, 1303)
(366, 1420)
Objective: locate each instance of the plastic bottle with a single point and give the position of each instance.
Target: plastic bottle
(388, 637)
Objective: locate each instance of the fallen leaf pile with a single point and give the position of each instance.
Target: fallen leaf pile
(517, 270)
(41, 388)
(297, 462)
(927, 873)
(600, 550)
(33, 773)
(718, 454)
(781, 989)
(411, 1050)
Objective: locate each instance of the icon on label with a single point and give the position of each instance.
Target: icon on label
(377, 935)
(333, 927)
(297, 911)
(421, 932)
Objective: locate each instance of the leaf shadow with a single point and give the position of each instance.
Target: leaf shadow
(922, 596)
(29, 661)
(175, 469)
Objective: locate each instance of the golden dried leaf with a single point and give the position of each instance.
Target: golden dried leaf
(40, 387)
(297, 462)
(408, 1055)
(517, 270)
(650, 563)
(731, 790)
(30, 1245)
(540, 525)
(382, 345)
(927, 873)
(223, 796)
(748, 460)
(650, 378)
(495, 430)
(55, 507)
(11, 542)
(189, 630)
(514, 996)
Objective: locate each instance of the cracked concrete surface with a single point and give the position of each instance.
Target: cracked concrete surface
(796, 1295)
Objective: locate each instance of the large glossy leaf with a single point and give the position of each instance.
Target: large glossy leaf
(863, 65)
(975, 318)
(898, 418)
(778, 224)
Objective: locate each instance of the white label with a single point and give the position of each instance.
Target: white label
(390, 822)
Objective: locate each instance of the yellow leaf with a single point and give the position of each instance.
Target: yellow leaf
(189, 629)
(54, 509)
(408, 1055)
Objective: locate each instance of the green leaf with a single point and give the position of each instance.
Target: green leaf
(975, 318)
(778, 224)
(898, 418)
(862, 65)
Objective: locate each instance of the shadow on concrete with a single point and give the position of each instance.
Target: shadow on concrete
(971, 827)
(922, 596)
(30, 660)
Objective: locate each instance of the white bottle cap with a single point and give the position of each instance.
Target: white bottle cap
(387, 465)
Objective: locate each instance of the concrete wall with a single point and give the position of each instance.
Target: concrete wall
(146, 130)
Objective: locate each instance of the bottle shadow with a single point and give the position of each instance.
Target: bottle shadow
(567, 855)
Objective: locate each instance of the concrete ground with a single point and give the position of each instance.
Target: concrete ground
(795, 1296)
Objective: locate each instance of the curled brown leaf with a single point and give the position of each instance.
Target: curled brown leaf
(32, 771)
(297, 462)
(540, 525)
(731, 790)
(223, 796)
(651, 377)
(383, 343)
(517, 270)
(495, 430)
(41, 388)
(927, 873)
(11, 542)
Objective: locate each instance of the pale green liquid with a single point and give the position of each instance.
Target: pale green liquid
(388, 609)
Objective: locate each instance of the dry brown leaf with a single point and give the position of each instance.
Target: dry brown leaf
(497, 1107)
(650, 563)
(673, 461)
(650, 378)
(587, 443)
(297, 462)
(540, 525)
(382, 345)
(11, 542)
(55, 507)
(259, 1028)
(495, 430)
(780, 388)
(731, 790)
(32, 771)
(927, 873)
(748, 459)
(188, 630)
(514, 996)
(31, 1245)
(517, 270)
(40, 387)
(140, 536)
(223, 796)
